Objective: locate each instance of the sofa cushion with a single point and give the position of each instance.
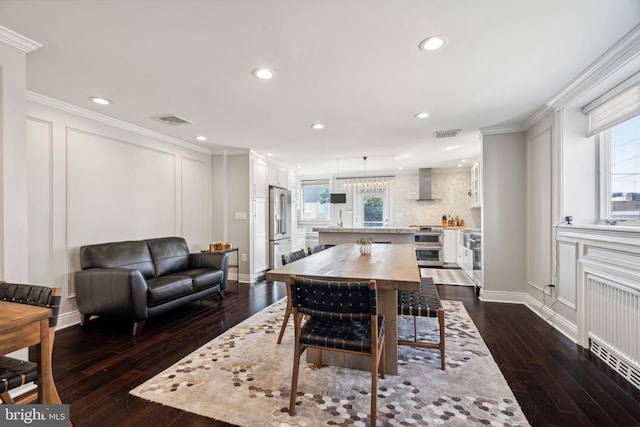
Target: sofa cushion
(129, 254)
(167, 288)
(203, 277)
(169, 255)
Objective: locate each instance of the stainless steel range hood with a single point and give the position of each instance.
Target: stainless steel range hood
(424, 184)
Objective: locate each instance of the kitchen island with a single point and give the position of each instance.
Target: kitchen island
(336, 235)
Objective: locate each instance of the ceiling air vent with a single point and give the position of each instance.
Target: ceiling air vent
(172, 119)
(446, 133)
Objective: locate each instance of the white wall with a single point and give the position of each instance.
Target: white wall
(90, 182)
(13, 162)
(504, 217)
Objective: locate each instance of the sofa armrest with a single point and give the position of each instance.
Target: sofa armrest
(118, 292)
(218, 261)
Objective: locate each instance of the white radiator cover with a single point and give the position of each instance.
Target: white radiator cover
(613, 325)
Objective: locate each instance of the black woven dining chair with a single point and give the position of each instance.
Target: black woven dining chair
(423, 303)
(341, 316)
(16, 372)
(287, 259)
(315, 249)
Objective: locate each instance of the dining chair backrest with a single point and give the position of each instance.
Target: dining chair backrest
(333, 299)
(41, 296)
(316, 249)
(293, 256)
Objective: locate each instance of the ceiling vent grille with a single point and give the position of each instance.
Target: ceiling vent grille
(446, 133)
(171, 119)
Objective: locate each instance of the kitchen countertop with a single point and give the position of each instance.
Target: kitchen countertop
(367, 230)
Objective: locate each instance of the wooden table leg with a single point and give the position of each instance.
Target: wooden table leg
(388, 304)
(47, 392)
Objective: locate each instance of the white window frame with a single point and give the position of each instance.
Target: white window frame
(604, 190)
(358, 207)
(315, 183)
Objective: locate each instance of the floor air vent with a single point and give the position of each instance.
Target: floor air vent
(446, 133)
(618, 364)
(172, 119)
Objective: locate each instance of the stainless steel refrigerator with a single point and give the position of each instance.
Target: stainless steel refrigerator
(279, 225)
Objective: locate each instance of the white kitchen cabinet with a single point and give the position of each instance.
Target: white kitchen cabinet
(260, 257)
(450, 247)
(278, 176)
(260, 178)
(459, 248)
(475, 186)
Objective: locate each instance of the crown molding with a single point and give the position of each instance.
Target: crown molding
(495, 130)
(230, 151)
(619, 55)
(538, 115)
(88, 114)
(17, 40)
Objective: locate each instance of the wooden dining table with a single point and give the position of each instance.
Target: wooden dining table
(23, 326)
(392, 266)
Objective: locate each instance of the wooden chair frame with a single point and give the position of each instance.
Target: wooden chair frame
(377, 352)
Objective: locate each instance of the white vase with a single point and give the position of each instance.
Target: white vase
(365, 249)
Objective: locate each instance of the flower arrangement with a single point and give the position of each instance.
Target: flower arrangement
(365, 240)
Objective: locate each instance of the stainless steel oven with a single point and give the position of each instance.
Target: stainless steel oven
(428, 256)
(475, 244)
(428, 241)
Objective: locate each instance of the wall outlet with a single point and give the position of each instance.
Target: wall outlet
(244, 257)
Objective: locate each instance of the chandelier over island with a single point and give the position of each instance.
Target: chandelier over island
(366, 183)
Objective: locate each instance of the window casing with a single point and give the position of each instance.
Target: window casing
(620, 173)
(315, 200)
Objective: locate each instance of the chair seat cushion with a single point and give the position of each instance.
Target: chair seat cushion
(167, 288)
(203, 277)
(14, 373)
(340, 334)
(424, 302)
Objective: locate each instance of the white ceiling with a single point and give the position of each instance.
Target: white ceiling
(353, 65)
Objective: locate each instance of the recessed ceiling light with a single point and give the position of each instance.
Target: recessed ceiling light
(100, 100)
(452, 147)
(317, 126)
(433, 43)
(263, 73)
(299, 167)
(459, 164)
(201, 138)
(421, 115)
(463, 160)
(399, 167)
(269, 154)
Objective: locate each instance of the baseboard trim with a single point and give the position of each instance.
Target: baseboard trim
(67, 319)
(561, 324)
(504, 297)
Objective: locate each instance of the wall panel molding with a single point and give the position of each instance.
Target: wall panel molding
(40, 181)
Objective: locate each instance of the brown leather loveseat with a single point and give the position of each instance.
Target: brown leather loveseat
(137, 280)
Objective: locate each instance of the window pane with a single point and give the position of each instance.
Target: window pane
(372, 211)
(625, 170)
(315, 201)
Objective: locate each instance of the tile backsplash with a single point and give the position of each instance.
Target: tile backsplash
(450, 190)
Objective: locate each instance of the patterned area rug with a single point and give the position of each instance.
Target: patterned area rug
(243, 377)
(444, 276)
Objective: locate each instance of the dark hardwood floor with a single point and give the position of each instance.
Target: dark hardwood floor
(555, 382)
